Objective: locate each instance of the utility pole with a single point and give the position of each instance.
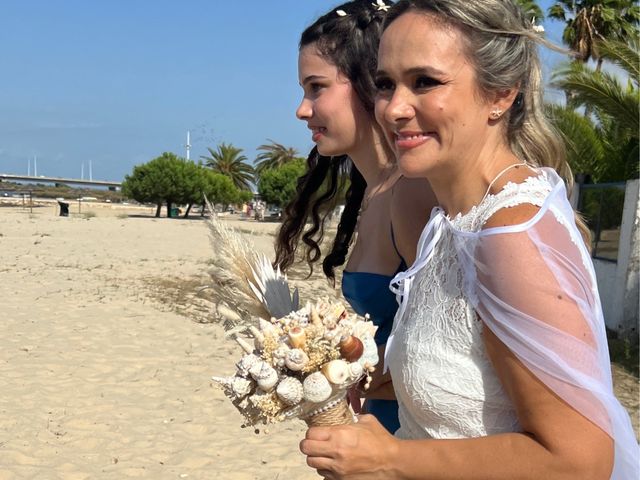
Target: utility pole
(90, 171)
(35, 166)
(82, 171)
(188, 145)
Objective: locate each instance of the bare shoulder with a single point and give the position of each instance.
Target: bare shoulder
(509, 216)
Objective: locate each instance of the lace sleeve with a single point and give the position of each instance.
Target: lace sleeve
(534, 286)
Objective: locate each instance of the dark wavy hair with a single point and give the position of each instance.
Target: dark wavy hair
(350, 42)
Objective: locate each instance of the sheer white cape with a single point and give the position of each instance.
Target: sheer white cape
(534, 286)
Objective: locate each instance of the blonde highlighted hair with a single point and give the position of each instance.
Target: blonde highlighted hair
(502, 45)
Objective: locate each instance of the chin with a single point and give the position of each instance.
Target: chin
(412, 168)
(327, 151)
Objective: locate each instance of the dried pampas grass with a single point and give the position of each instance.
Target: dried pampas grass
(247, 283)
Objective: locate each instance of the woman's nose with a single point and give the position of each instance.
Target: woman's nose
(399, 107)
(303, 112)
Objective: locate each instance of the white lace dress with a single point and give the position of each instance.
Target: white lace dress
(445, 384)
(534, 286)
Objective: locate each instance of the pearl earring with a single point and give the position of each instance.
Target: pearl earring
(495, 114)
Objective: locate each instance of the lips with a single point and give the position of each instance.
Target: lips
(317, 132)
(407, 140)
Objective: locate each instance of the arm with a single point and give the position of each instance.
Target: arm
(381, 387)
(556, 442)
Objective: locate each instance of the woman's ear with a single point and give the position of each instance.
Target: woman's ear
(501, 101)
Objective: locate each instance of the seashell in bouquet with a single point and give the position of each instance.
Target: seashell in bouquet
(301, 365)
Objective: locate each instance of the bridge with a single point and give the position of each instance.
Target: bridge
(64, 181)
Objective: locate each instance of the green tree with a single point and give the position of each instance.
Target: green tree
(590, 21)
(159, 181)
(219, 188)
(274, 155)
(615, 107)
(277, 186)
(229, 160)
(532, 10)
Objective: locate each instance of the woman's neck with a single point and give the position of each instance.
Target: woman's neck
(460, 186)
(373, 159)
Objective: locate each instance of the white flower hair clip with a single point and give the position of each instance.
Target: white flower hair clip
(380, 5)
(536, 28)
(341, 13)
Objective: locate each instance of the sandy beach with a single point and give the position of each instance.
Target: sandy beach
(107, 352)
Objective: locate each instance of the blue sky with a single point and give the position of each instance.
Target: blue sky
(118, 82)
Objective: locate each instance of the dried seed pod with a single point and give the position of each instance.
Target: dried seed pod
(297, 337)
(351, 348)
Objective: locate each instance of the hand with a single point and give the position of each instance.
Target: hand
(364, 450)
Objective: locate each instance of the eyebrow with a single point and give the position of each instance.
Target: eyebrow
(312, 78)
(415, 70)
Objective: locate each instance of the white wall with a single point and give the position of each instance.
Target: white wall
(618, 282)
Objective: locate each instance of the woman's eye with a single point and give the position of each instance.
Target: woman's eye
(383, 84)
(426, 82)
(315, 87)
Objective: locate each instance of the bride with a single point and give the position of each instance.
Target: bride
(498, 353)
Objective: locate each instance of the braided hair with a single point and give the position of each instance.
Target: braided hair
(348, 38)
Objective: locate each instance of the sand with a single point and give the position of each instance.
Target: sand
(106, 355)
(101, 378)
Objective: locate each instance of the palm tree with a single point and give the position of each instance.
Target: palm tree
(603, 90)
(615, 109)
(590, 21)
(228, 160)
(532, 10)
(274, 155)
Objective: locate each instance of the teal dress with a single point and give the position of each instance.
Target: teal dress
(369, 293)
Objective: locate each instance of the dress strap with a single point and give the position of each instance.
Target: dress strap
(403, 262)
(502, 172)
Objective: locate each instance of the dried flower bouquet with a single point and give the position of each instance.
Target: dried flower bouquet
(301, 365)
(297, 362)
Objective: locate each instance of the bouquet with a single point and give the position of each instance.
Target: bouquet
(301, 365)
(297, 362)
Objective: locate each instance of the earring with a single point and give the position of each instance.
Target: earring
(495, 114)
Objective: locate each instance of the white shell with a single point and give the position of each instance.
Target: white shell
(369, 356)
(355, 371)
(265, 375)
(316, 388)
(240, 387)
(336, 371)
(281, 351)
(289, 390)
(245, 364)
(296, 359)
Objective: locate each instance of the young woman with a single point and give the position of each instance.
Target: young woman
(336, 66)
(498, 355)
